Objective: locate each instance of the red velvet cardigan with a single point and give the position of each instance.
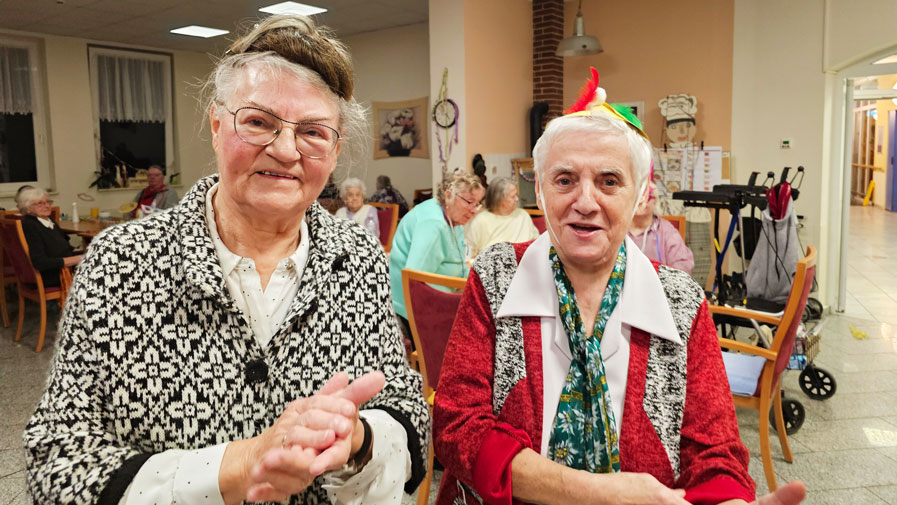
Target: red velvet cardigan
(478, 428)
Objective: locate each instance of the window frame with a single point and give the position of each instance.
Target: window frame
(95, 50)
(39, 115)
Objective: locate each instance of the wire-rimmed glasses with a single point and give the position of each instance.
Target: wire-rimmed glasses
(259, 127)
(470, 203)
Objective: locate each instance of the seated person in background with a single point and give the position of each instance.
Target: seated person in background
(658, 238)
(352, 192)
(48, 246)
(156, 194)
(431, 237)
(501, 220)
(387, 194)
(577, 371)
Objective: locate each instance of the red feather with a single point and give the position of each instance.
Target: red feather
(586, 94)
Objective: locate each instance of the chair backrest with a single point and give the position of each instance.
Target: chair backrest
(431, 314)
(16, 249)
(538, 218)
(421, 195)
(388, 214)
(783, 341)
(678, 223)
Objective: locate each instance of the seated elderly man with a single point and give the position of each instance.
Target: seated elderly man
(352, 192)
(156, 194)
(578, 371)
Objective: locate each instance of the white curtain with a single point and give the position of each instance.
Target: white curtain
(130, 89)
(15, 81)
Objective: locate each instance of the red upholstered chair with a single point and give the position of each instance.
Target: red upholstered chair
(29, 281)
(538, 218)
(388, 215)
(774, 359)
(431, 314)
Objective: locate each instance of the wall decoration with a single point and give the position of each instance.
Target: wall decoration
(678, 113)
(400, 129)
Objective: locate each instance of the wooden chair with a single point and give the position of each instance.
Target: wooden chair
(7, 273)
(388, 214)
(538, 218)
(29, 282)
(421, 195)
(678, 223)
(768, 391)
(431, 314)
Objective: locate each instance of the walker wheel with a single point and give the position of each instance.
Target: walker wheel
(794, 414)
(817, 383)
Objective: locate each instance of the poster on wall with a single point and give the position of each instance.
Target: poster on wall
(685, 169)
(400, 129)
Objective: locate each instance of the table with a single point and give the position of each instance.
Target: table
(87, 228)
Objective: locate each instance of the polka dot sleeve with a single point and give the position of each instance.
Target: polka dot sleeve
(177, 476)
(382, 480)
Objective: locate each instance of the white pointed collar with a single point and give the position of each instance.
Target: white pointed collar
(643, 303)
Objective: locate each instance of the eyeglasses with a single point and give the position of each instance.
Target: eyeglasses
(470, 203)
(43, 202)
(260, 128)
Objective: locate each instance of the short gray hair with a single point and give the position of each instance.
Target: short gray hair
(28, 196)
(599, 123)
(351, 182)
(497, 190)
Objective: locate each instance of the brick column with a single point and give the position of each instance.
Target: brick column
(548, 69)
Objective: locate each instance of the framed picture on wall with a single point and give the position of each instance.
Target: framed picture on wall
(400, 129)
(638, 108)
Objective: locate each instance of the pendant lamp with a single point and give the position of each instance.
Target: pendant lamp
(579, 44)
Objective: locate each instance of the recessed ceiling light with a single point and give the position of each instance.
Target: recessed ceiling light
(293, 8)
(888, 59)
(199, 31)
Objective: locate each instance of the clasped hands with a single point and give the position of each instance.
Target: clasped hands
(313, 435)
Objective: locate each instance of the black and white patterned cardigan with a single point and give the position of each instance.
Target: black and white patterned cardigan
(153, 353)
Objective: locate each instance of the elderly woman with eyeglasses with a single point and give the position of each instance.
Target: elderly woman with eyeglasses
(48, 246)
(501, 220)
(240, 346)
(430, 238)
(577, 370)
(352, 192)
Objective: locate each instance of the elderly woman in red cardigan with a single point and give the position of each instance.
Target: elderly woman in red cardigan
(578, 371)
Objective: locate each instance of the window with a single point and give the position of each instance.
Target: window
(132, 114)
(24, 153)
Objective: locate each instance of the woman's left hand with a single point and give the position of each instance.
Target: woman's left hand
(315, 435)
(790, 494)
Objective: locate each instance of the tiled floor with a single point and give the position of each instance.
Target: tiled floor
(846, 451)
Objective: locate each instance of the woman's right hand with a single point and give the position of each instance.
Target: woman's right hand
(278, 463)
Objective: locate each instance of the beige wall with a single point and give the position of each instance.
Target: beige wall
(447, 32)
(71, 123)
(498, 53)
(392, 65)
(653, 48)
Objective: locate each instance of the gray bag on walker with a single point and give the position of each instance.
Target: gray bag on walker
(771, 272)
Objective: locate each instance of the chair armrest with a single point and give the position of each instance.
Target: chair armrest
(745, 314)
(728, 343)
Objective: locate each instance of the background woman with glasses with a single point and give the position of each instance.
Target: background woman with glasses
(430, 238)
(240, 346)
(48, 246)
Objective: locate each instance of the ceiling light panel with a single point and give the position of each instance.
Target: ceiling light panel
(293, 8)
(199, 31)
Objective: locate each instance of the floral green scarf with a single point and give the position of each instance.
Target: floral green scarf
(585, 433)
